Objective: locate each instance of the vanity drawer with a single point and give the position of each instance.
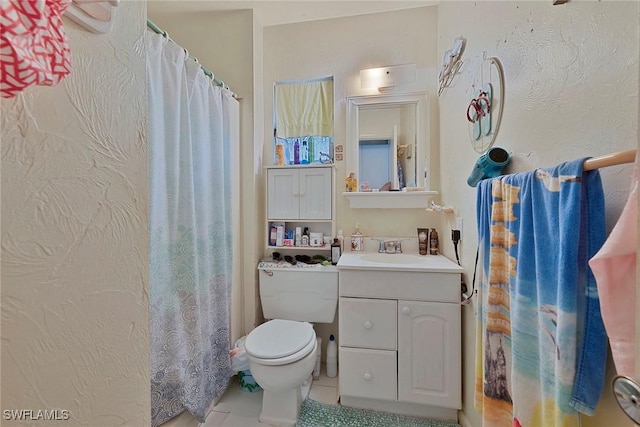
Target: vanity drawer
(368, 373)
(417, 286)
(369, 323)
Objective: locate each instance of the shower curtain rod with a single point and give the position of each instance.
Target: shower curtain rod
(205, 70)
(618, 158)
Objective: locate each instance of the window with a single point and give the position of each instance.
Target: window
(303, 122)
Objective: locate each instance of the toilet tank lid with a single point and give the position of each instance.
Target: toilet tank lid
(279, 338)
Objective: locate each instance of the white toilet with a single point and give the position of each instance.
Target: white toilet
(282, 351)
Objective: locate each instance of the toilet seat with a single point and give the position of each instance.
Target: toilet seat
(278, 342)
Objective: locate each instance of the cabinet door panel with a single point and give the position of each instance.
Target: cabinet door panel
(368, 373)
(369, 323)
(315, 193)
(283, 194)
(429, 361)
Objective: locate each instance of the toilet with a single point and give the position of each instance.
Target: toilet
(282, 351)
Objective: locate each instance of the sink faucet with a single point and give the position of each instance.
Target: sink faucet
(389, 246)
(393, 247)
(381, 245)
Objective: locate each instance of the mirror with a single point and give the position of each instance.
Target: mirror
(387, 141)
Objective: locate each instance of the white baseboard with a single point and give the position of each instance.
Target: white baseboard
(463, 420)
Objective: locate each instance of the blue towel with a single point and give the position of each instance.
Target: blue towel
(541, 343)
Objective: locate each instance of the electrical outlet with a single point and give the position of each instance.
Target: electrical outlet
(459, 226)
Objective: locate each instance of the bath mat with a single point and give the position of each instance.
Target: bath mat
(316, 414)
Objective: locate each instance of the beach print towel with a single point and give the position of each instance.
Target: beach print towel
(541, 345)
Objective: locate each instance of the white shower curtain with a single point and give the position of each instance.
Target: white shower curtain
(192, 128)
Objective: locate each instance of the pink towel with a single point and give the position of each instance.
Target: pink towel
(614, 268)
(33, 45)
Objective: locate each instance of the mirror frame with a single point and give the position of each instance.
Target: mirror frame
(421, 150)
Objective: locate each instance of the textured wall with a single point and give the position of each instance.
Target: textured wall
(571, 76)
(75, 235)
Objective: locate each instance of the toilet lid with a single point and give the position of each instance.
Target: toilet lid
(279, 338)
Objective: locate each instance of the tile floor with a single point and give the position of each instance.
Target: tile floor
(239, 408)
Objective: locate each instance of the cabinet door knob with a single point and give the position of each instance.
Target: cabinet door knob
(367, 376)
(302, 194)
(406, 310)
(368, 324)
(296, 194)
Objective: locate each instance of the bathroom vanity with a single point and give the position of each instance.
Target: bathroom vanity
(400, 333)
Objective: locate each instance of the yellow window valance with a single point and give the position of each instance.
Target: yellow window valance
(304, 108)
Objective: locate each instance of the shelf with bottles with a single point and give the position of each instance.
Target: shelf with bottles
(319, 235)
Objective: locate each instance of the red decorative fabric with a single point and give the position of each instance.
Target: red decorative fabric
(33, 45)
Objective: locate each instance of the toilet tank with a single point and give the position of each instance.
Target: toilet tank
(308, 294)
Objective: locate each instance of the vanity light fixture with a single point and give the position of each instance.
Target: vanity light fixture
(387, 77)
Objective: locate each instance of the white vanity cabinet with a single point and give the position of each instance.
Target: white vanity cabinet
(400, 341)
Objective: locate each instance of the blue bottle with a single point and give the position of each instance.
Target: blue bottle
(304, 154)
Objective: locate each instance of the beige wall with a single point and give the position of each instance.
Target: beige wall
(340, 48)
(571, 76)
(75, 316)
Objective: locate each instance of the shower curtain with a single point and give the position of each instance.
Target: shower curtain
(192, 128)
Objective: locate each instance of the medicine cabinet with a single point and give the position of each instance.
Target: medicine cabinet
(388, 143)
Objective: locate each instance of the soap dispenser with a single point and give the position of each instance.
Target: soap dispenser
(357, 240)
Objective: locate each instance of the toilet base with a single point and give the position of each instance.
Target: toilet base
(281, 408)
(306, 387)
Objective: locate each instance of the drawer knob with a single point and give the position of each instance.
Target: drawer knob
(367, 376)
(406, 310)
(368, 324)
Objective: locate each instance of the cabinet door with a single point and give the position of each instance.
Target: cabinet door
(315, 193)
(283, 194)
(429, 364)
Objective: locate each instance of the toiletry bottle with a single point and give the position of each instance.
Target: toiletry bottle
(341, 240)
(335, 251)
(304, 153)
(311, 148)
(279, 153)
(296, 153)
(332, 358)
(433, 242)
(423, 242)
(356, 239)
(298, 241)
(351, 183)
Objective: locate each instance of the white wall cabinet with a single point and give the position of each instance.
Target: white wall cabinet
(400, 342)
(301, 196)
(299, 193)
